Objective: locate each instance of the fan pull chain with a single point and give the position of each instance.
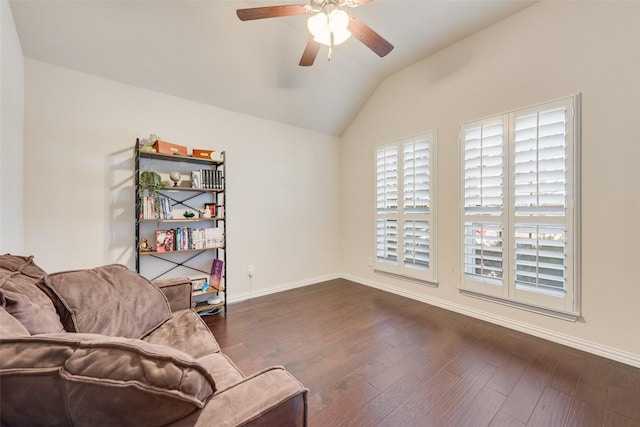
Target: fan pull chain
(330, 46)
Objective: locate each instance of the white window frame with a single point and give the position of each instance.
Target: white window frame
(478, 281)
(402, 216)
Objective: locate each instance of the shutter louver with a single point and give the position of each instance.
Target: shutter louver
(483, 153)
(387, 241)
(540, 259)
(387, 204)
(387, 180)
(483, 251)
(540, 155)
(416, 177)
(416, 244)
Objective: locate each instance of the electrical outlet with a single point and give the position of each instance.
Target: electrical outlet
(251, 270)
(370, 262)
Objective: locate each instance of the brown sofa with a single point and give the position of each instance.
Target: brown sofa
(107, 347)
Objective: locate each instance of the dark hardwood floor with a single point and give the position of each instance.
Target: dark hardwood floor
(370, 358)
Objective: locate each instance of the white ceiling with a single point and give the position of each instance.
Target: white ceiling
(200, 50)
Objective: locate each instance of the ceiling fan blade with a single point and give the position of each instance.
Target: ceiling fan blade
(310, 53)
(271, 11)
(370, 38)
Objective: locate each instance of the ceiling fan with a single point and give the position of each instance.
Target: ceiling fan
(329, 25)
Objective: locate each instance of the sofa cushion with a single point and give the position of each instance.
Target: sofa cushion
(21, 264)
(185, 331)
(76, 379)
(225, 372)
(10, 326)
(21, 297)
(110, 300)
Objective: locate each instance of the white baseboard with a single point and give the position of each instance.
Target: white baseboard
(284, 287)
(570, 341)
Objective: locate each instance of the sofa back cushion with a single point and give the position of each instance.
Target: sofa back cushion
(110, 300)
(76, 379)
(21, 297)
(10, 326)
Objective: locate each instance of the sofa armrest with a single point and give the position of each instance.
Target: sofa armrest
(177, 291)
(272, 397)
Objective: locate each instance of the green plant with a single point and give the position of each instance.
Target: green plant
(152, 182)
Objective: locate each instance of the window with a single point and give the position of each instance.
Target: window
(405, 216)
(519, 207)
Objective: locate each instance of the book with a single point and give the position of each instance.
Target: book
(196, 179)
(206, 178)
(216, 273)
(165, 240)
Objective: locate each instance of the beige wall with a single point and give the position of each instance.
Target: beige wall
(551, 50)
(283, 182)
(11, 133)
(298, 217)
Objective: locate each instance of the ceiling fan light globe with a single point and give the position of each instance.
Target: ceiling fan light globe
(341, 37)
(338, 20)
(318, 25)
(321, 26)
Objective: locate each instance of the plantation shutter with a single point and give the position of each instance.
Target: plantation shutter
(483, 195)
(404, 211)
(519, 207)
(387, 204)
(540, 184)
(416, 195)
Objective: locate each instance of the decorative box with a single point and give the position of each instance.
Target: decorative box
(164, 147)
(202, 154)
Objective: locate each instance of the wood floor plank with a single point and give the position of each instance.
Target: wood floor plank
(504, 420)
(567, 374)
(587, 408)
(524, 397)
(551, 410)
(339, 399)
(481, 411)
(508, 375)
(463, 392)
(414, 360)
(612, 419)
(596, 371)
(625, 376)
(416, 397)
(624, 402)
(370, 358)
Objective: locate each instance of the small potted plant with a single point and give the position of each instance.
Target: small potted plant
(152, 182)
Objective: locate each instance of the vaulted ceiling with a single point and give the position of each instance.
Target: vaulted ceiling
(200, 50)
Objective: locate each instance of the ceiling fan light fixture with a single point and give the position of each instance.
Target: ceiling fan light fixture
(322, 26)
(328, 23)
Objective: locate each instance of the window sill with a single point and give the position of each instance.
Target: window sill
(571, 317)
(406, 278)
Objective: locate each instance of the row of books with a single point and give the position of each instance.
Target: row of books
(148, 208)
(187, 238)
(207, 178)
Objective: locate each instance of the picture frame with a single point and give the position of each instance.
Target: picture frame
(200, 284)
(165, 240)
(211, 207)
